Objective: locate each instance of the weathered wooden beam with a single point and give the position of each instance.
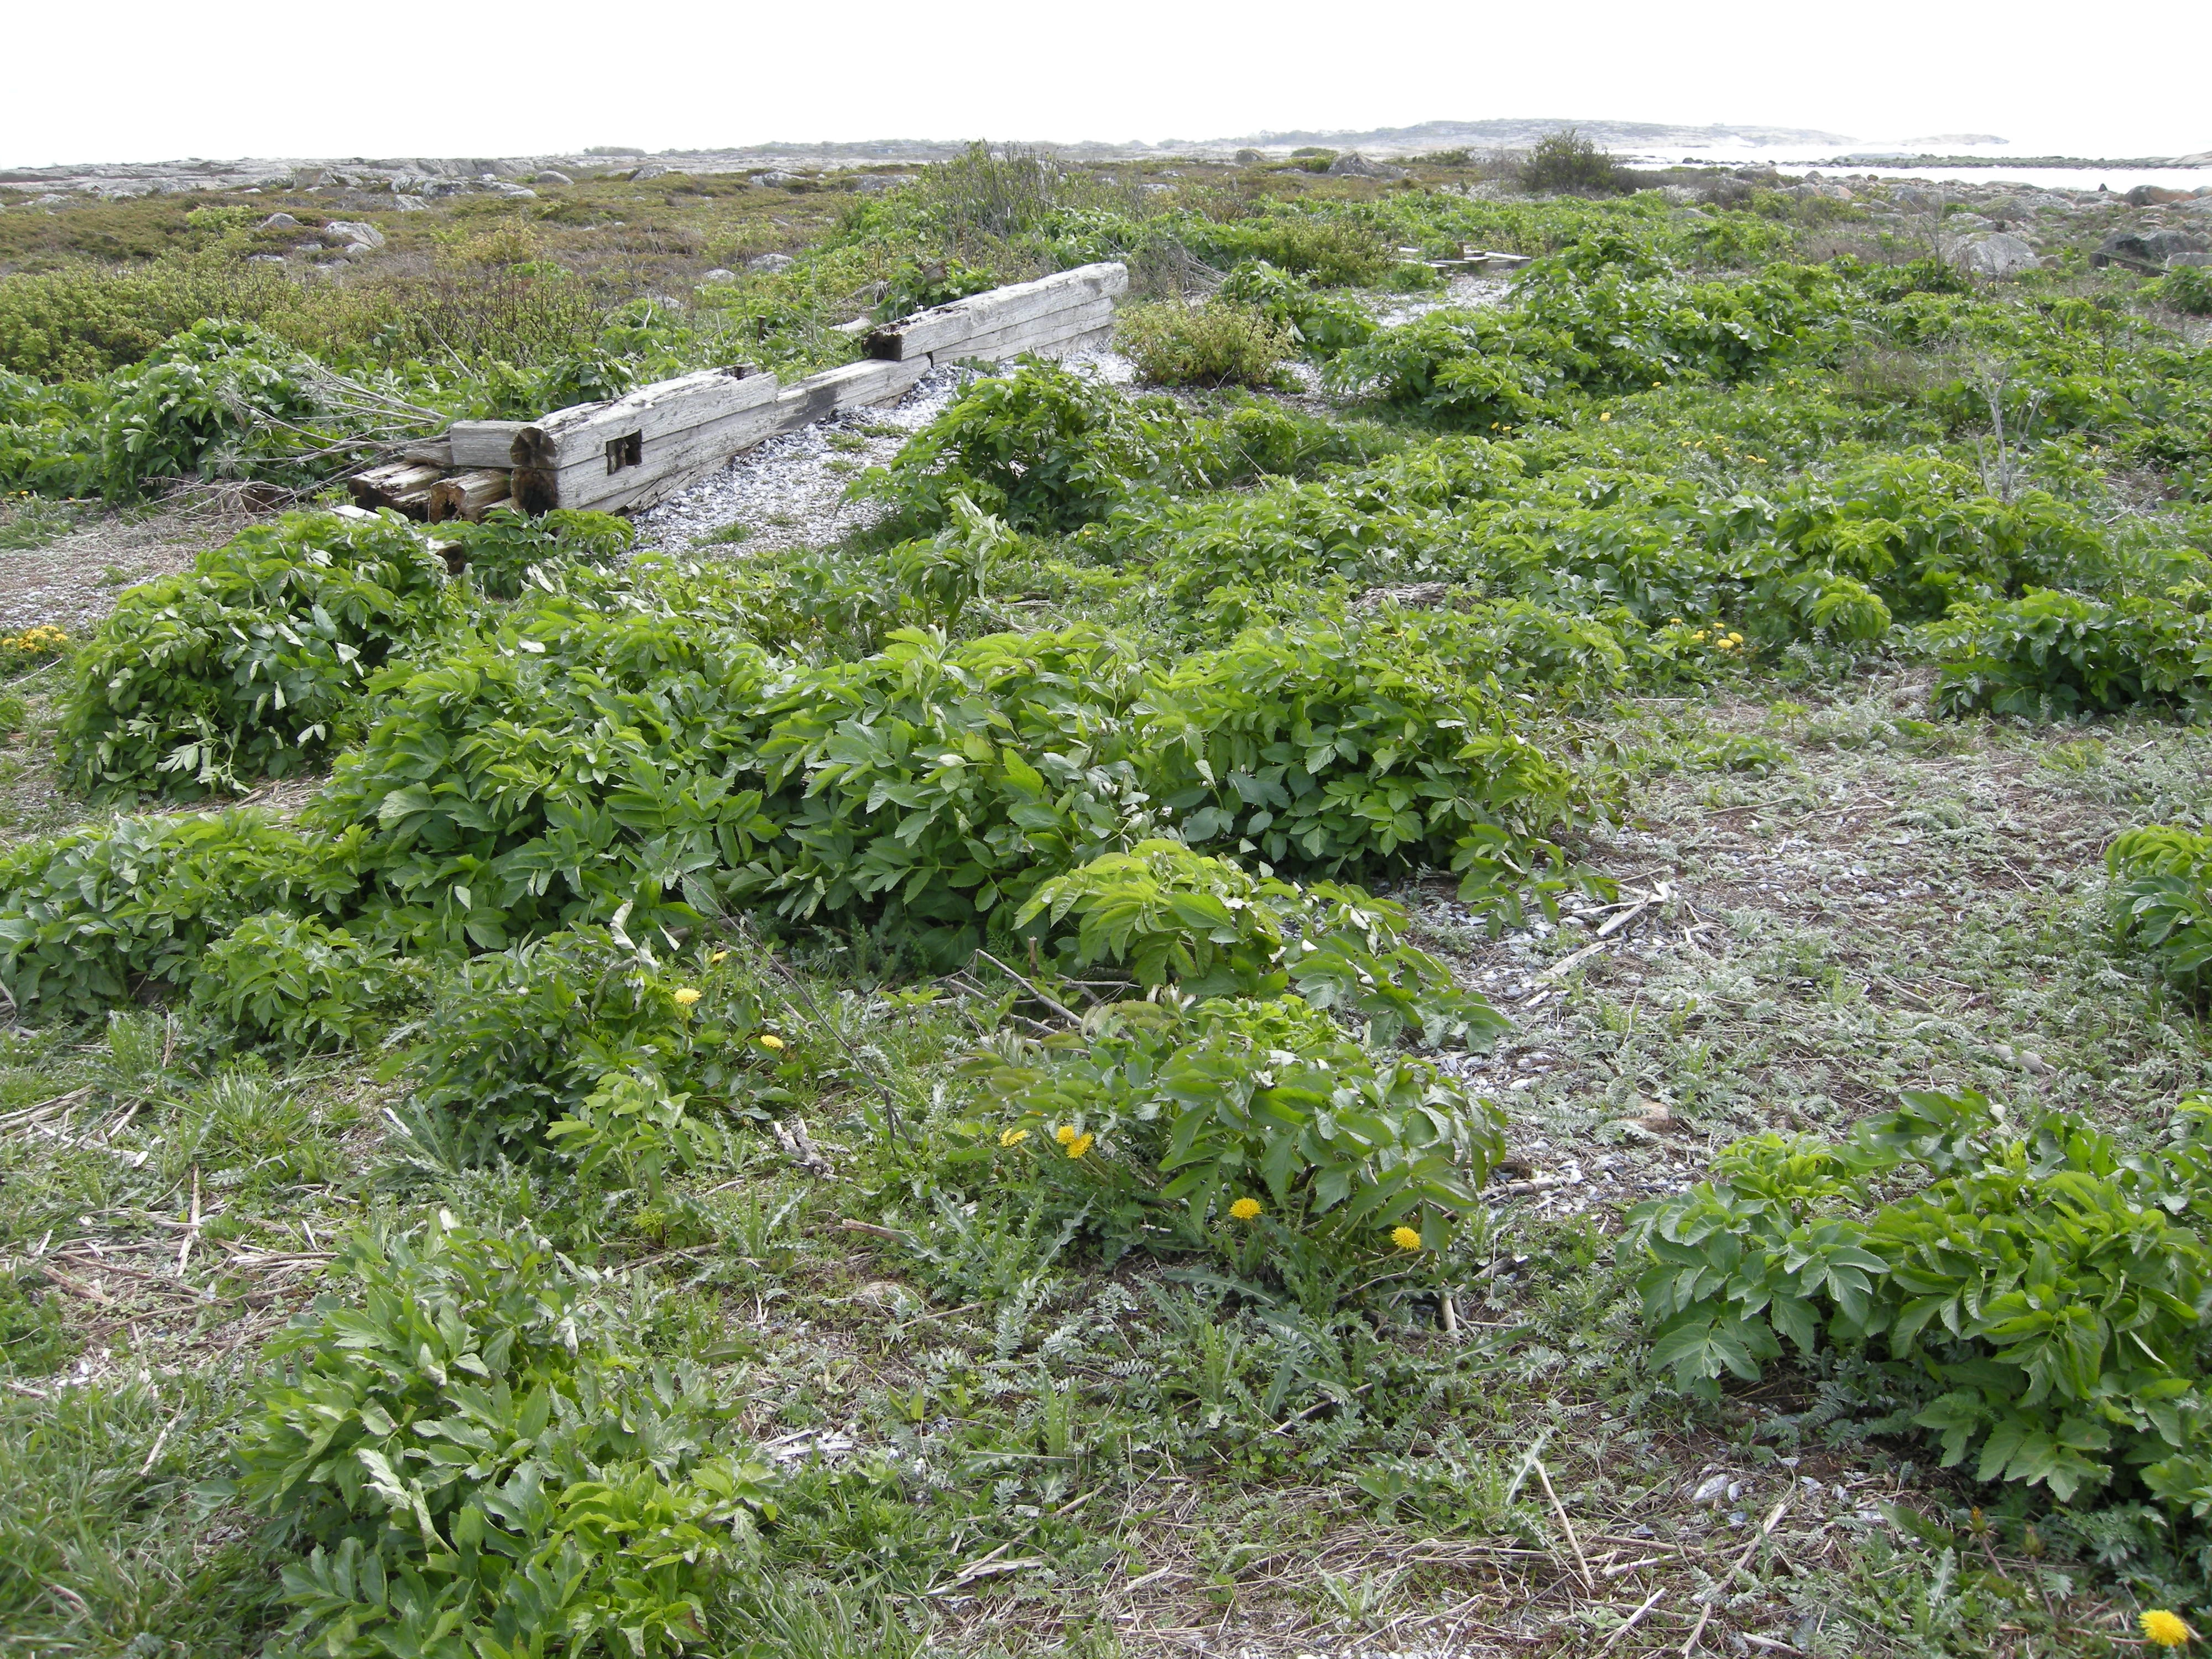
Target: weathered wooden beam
(468, 495)
(429, 451)
(404, 485)
(663, 464)
(1046, 336)
(483, 443)
(854, 386)
(953, 327)
(614, 432)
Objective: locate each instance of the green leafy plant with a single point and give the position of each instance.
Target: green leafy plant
(1214, 344)
(248, 665)
(300, 982)
(521, 1038)
(86, 916)
(475, 1468)
(1172, 917)
(2162, 897)
(2036, 1303)
(2051, 654)
(1164, 1103)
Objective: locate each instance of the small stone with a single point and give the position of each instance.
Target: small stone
(1710, 1490)
(410, 204)
(518, 192)
(719, 274)
(265, 259)
(279, 221)
(650, 171)
(770, 263)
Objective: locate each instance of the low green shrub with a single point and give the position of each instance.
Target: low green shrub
(520, 1038)
(1323, 322)
(1217, 343)
(1045, 448)
(1334, 251)
(502, 550)
(1166, 1105)
(85, 916)
(574, 757)
(920, 789)
(246, 666)
(2187, 289)
(1316, 753)
(2052, 655)
(1565, 163)
(301, 983)
(473, 1467)
(2036, 1305)
(2162, 897)
(1172, 917)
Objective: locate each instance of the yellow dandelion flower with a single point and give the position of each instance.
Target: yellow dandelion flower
(1080, 1145)
(1064, 1134)
(1723, 644)
(1012, 1137)
(1736, 638)
(1607, 415)
(1245, 1209)
(1700, 636)
(718, 956)
(770, 1040)
(1406, 1238)
(686, 997)
(2164, 1629)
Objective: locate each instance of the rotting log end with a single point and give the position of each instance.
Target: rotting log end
(534, 489)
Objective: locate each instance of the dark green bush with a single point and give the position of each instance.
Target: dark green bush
(84, 917)
(294, 981)
(502, 550)
(520, 1037)
(1045, 448)
(2051, 655)
(2162, 897)
(1564, 163)
(1323, 322)
(246, 666)
(590, 1513)
(1335, 251)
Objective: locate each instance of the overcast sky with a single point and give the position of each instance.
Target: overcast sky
(132, 81)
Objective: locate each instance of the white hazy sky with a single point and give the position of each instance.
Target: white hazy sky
(132, 81)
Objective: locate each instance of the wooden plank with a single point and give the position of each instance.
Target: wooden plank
(1046, 336)
(666, 464)
(483, 443)
(431, 452)
(951, 327)
(854, 386)
(570, 437)
(468, 495)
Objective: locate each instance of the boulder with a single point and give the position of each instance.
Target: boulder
(1352, 165)
(550, 176)
(279, 221)
(651, 170)
(769, 263)
(410, 204)
(719, 274)
(1999, 255)
(1248, 158)
(355, 230)
(2148, 247)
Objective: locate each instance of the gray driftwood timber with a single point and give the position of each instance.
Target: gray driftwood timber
(483, 443)
(954, 327)
(469, 495)
(570, 437)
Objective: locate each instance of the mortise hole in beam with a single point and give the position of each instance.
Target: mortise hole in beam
(627, 451)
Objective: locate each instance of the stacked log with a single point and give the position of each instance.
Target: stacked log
(404, 485)
(468, 495)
